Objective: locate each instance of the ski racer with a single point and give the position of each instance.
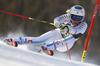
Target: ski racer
(70, 27)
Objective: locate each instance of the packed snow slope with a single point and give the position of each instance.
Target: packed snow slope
(12, 56)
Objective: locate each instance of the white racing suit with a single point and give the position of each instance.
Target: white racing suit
(54, 40)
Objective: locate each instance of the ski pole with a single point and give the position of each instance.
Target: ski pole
(36, 21)
(67, 48)
(91, 26)
(25, 17)
(66, 44)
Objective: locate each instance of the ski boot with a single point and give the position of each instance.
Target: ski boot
(11, 42)
(49, 52)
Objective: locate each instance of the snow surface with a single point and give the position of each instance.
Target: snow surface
(22, 56)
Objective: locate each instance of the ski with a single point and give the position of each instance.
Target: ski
(11, 43)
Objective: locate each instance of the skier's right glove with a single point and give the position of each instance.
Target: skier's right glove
(63, 27)
(58, 24)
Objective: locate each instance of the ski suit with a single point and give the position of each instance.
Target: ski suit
(54, 39)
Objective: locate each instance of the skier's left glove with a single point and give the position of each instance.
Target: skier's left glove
(64, 30)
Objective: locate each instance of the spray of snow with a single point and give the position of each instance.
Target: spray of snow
(57, 54)
(10, 56)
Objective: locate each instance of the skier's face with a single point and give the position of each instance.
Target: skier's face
(75, 22)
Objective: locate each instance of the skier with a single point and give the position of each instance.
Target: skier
(70, 27)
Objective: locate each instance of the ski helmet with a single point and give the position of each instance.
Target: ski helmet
(77, 12)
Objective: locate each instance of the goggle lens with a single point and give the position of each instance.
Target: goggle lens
(75, 17)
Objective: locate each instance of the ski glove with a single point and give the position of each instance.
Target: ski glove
(64, 30)
(59, 24)
(63, 27)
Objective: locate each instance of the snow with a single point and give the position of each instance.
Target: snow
(22, 56)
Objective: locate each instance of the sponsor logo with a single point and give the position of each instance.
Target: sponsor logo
(30, 41)
(65, 20)
(57, 42)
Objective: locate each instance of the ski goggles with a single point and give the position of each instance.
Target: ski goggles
(75, 17)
